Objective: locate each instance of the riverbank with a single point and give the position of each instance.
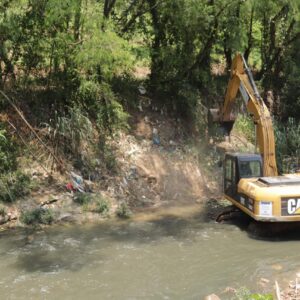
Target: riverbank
(155, 164)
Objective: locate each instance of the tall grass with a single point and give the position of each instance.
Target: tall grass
(245, 126)
(287, 137)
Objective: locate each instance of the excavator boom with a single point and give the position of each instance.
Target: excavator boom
(251, 181)
(241, 79)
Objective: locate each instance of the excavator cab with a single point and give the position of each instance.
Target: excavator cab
(238, 166)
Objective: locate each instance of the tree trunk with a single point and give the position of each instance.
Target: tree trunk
(77, 20)
(108, 6)
(250, 38)
(156, 63)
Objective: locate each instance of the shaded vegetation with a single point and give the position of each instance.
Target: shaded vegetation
(83, 198)
(123, 211)
(37, 216)
(102, 206)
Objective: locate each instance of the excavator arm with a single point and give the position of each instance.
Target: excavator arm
(242, 79)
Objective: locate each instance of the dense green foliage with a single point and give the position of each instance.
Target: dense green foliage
(245, 126)
(287, 145)
(73, 61)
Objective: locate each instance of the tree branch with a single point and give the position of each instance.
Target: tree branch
(138, 14)
(250, 38)
(108, 6)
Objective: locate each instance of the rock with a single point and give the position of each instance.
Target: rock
(133, 173)
(4, 219)
(151, 180)
(277, 267)
(66, 217)
(212, 297)
(12, 216)
(264, 280)
(230, 289)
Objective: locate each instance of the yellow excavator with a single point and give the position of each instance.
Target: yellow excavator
(251, 181)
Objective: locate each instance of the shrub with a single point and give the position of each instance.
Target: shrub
(83, 198)
(124, 211)
(13, 186)
(70, 131)
(109, 158)
(7, 152)
(37, 216)
(102, 206)
(245, 294)
(102, 105)
(287, 137)
(2, 211)
(111, 116)
(245, 126)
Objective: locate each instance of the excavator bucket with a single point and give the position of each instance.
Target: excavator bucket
(216, 126)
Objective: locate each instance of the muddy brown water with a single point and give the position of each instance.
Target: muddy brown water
(166, 256)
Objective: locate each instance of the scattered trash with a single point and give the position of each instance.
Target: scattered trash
(142, 90)
(140, 107)
(133, 174)
(155, 137)
(70, 187)
(76, 183)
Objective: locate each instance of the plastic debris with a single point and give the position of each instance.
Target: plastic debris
(133, 174)
(142, 90)
(155, 137)
(77, 182)
(70, 187)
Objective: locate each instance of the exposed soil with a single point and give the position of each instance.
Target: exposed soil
(157, 167)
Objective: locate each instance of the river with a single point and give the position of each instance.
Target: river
(164, 257)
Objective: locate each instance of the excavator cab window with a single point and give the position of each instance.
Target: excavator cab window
(230, 179)
(250, 168)
(237, 166)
